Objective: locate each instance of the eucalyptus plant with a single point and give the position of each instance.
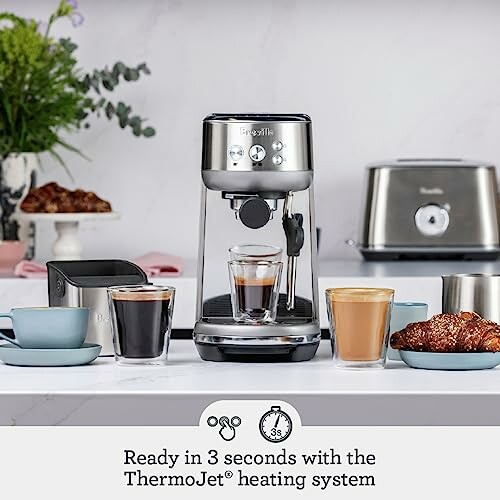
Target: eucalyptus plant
(43, 91)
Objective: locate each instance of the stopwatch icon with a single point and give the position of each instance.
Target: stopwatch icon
(275, 425)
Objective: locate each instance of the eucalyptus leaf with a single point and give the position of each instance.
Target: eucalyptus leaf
(142, 67)
(118, 69)
(120, 108)
(110, 110)
(135, 121)
(131, 75)
(107, 85)
(123, 121)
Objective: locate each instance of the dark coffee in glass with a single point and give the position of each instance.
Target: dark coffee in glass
(141, 317)
(254, 290)
(254, 295)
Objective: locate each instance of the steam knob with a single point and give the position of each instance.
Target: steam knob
(254, 213)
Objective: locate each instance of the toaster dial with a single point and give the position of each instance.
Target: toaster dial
(432, 219)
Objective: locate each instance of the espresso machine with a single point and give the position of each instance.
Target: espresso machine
(257, 172)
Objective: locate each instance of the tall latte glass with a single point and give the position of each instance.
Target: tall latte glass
(141, 317)
(359, 325)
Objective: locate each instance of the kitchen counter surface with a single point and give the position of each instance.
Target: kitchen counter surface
(413, 281)
(414, 269)
(106, 394)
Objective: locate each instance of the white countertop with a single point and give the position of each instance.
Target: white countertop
(107, 394)
(187, 373)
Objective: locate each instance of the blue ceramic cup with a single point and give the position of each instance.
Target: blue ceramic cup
(404, 313)
(48, 327)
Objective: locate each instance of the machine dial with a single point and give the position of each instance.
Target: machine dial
(432, 219)
(235, 153)
(257, 152)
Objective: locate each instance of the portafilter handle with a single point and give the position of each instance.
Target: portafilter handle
(294, 232)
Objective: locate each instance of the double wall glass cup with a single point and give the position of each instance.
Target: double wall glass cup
(141, 317)
(254, 290)
(254, 253)
(359, 325)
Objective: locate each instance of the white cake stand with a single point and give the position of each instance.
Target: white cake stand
(67, 245)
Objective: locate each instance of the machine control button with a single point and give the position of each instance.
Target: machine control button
(277, 145)
(236, 153)
(277, 159)
(257, 152)
(432, 219)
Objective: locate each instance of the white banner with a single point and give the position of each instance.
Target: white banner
(243, 449)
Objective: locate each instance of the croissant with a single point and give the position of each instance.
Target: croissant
(52, 198)
(463, 332)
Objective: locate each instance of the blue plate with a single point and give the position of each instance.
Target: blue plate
(12, 355)
(451, 360)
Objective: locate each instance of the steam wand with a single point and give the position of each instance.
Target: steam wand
(292, 225)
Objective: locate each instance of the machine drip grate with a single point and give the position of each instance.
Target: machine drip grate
(220, 307)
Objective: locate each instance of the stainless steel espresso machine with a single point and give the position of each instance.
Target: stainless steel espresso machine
(257, 172)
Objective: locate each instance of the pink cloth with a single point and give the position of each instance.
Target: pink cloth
(160, 264)
(153, 264)
(30, 269)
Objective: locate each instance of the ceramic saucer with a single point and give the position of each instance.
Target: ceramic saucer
(12, 355)
(451, 360)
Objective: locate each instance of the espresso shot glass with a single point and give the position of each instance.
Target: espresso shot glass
(141, 317)
(359, 321)
(254, 290)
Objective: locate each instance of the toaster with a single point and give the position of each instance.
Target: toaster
(430, 209)
(84, 283)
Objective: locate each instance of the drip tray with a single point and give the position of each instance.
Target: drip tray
(220, 307)
(256, 354)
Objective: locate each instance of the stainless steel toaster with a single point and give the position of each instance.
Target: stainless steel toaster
(84, 283)
(430, 209)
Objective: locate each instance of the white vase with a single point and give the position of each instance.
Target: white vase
(17, 176)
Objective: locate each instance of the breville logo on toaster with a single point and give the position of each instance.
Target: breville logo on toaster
(256, 132)
(431, 191)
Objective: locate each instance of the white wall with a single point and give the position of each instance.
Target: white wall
(381, 79)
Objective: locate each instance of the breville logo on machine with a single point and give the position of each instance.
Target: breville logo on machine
(256, 132)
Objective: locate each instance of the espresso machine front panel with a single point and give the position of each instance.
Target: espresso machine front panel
(257, 174)
(262, 152)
